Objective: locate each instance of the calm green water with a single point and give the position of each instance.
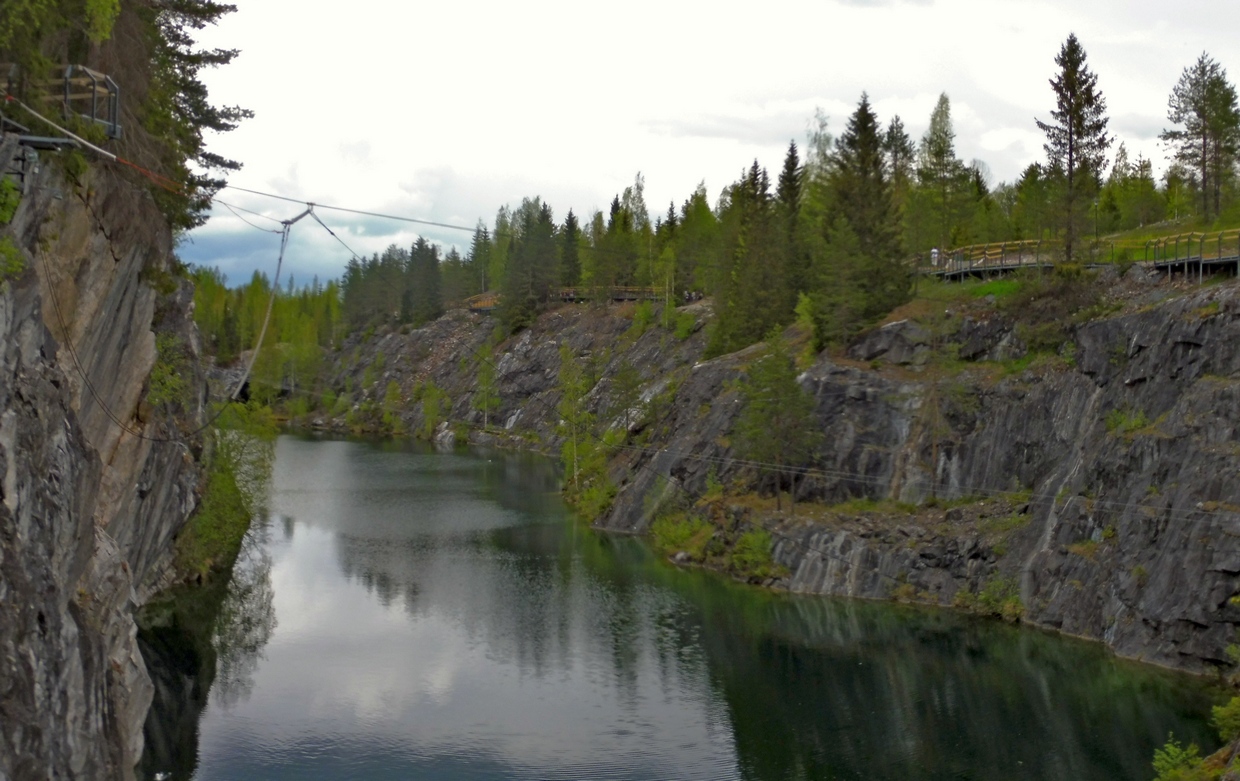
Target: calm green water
(412, 615)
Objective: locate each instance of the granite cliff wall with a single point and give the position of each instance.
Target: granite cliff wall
(1104, 485)
(96, 483)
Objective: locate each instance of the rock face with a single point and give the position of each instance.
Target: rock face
(1123, 448)
(95, 484)
(1130, 456)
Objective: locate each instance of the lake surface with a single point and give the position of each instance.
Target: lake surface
(407, 614)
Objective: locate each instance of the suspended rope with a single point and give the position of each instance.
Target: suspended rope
(158, 179)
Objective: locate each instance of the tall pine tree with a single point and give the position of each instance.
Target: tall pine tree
(1203, 102)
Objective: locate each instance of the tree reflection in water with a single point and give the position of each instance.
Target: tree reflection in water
(246, 620)
(201, 641)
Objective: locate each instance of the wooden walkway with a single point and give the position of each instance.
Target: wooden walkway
(1202, 254)
(979, 261)
(1199, 253)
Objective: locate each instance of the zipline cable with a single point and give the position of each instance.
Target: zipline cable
(247, 222)
(362, 212)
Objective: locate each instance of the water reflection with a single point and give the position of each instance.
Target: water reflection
(441, 617)
(200, 641)
(245, 623)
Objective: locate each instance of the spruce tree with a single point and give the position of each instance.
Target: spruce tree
(788, 196)
(900, 157)
(696, 243)
(861, 195)
(479, 260)
(862, 191)
(570, 251)
(1076, 140)
(422, 284)
(750, 294)
(533, 269)
(776, 426)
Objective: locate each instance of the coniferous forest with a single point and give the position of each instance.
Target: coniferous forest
(831, 239)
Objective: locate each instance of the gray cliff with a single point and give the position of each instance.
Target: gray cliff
(1103, 484)
(96, 484)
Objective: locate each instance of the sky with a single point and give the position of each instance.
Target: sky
(445, 111)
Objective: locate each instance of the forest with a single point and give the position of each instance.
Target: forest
(833, 239)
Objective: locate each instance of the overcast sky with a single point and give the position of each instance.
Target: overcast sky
(444, 110)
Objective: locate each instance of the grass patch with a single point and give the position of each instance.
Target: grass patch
(1003, 524)
(999, 288)
(1086, 549)
(1124, 422)
(1201, 313)
(863, 505)
(679, 532)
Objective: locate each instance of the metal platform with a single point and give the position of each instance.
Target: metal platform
(82, 93)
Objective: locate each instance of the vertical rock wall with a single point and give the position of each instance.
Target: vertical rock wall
(95, 484)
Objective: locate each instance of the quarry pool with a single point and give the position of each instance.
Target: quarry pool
(411, 614)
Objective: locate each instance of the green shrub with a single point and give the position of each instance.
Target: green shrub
(681, 532)
(593, 491)
(751, 556)
(167, 382)
(1174, 762)
(1001, 597)
(10, 197)
(213, 536)
(12, 262)
(1226, 719)
(372, 372)
(714, 488)
(1125, 421)
(643, 318)
(344, 403)
(684, 324)
(297, 407)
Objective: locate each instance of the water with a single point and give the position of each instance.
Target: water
(411, 615)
